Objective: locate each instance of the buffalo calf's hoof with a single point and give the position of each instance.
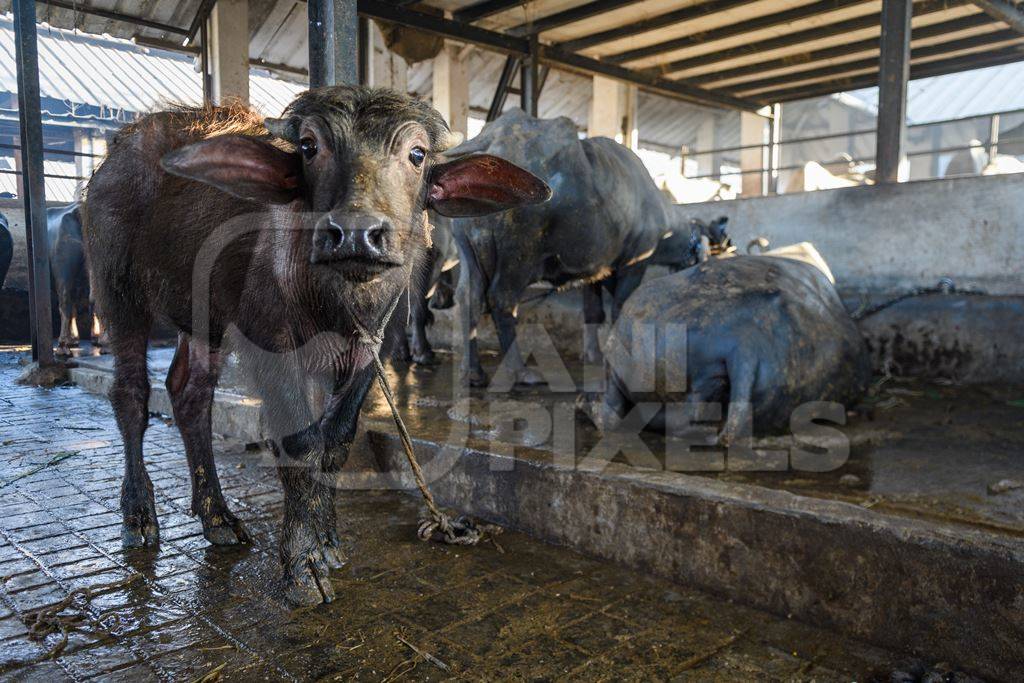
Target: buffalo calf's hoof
(334, 556)
(307, 582)
(223, 528)
(140, 528)
(229, 533)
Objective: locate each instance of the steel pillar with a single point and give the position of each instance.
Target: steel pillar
(30, 118)
(333, 42)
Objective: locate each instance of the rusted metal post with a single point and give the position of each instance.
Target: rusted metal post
(30, 118)
(528, 77)
(333, 42)
(894, 72)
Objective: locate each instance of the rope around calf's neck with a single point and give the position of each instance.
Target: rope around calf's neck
(438, 526)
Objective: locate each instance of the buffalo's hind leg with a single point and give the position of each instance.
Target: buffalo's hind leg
(129, 396)
(191, 381)
(738, 424)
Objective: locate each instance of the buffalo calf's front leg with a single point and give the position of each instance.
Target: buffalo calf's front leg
(191, 381)
(308, 463)
(308, 551)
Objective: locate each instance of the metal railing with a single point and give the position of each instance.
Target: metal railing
(771, 151)
(48, 151)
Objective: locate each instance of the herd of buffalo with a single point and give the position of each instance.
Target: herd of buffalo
(294, 240)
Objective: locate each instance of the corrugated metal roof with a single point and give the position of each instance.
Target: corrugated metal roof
(681, 39)
(120, 75)
(956, 96)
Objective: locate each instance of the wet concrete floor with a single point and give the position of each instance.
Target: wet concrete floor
(406, 610)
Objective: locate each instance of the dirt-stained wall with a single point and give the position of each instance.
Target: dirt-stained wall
(889, 238)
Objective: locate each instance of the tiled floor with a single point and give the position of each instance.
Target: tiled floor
(405, 609)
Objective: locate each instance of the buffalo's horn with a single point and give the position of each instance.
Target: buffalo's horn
(280, 128)
(450, 139)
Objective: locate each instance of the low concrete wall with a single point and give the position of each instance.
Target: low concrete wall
(894, 237)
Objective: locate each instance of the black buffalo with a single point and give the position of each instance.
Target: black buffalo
(606, 217)
(6, 248)
(430, 287)
(68, 272)
(758, 335)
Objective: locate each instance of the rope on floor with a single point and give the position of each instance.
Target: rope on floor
(438, 525)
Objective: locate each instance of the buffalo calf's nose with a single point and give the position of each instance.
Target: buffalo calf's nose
(374, 237)
(340, 237)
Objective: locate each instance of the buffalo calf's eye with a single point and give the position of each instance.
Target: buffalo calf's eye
(417, 156)
(308, 147)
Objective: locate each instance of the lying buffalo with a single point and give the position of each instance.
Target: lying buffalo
(605, 218)
(6, 248)
(297, 233)
(759, 335)
(68, 271)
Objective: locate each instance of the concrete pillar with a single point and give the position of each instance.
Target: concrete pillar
(229, 51)
(753, 131)
(613, 110)
(706, 141)
(385, 69)
(451, 88)
(86, 143)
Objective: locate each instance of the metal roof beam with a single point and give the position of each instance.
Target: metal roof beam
(569, 16)
(731, 30)
(1003, 11)
(926, 52)
(202, 14)
(700, 10)
(755, 70)
(649, 82)
(114, 16)
(936, 68)
(484, 9)
(432, 23)
(798, 38)
(521, 47)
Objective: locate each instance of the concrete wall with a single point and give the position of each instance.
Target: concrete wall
(890, 238)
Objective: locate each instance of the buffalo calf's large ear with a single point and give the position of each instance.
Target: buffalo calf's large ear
(479, 184)
(241, 165)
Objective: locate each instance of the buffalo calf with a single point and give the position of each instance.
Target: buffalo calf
(293, 238)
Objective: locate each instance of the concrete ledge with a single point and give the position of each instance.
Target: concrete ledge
(947, 593)
(233, 415)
